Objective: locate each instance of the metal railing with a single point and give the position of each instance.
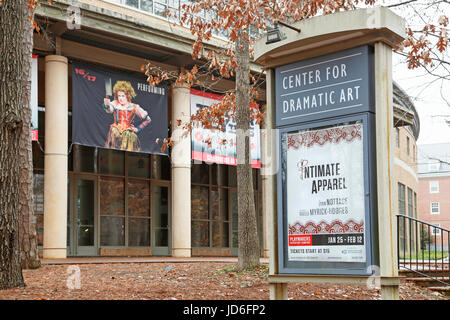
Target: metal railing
(423, 248)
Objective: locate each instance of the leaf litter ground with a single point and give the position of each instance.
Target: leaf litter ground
(180, 281)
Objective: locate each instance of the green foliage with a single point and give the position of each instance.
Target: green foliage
(426, 255)
(260, 270)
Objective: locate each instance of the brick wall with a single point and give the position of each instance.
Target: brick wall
(442, 197)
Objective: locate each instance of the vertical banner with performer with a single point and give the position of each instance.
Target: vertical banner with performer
(116, 110)
(325, 194)
(216, 146)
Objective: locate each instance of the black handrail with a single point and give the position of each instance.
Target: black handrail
(410, 238)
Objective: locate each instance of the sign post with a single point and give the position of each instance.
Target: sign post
(385, 166)
(330, 102)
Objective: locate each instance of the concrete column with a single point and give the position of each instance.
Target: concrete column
(55, 178)
(387, 230)
(181, 174)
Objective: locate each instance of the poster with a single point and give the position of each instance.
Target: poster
(209, 146)
(117, 110)
(325, 194)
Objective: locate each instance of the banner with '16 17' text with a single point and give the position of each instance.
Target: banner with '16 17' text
(117, 110)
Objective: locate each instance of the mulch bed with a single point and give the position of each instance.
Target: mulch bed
(180, 281)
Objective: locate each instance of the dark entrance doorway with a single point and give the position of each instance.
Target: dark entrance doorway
(82, 216)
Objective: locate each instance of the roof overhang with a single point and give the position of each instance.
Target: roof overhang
(330, 33)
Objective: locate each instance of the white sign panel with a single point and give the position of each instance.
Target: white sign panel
(325, 194)
(216, 146)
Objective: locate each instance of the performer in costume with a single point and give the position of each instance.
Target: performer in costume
(122, 133)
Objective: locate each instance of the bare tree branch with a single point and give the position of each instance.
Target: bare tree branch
(400, 4)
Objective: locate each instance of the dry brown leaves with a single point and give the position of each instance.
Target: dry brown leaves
(180, 281)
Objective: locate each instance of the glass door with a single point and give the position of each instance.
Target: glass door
(161, 219)
(82, 224)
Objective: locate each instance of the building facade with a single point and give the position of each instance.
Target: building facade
(434, 183)
(98, 201)
(406, 133)
(93, 200)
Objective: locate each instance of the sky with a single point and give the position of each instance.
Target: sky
(424, 90)
(426, 96)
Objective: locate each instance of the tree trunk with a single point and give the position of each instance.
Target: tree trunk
(13, 61)
(248, 252)
(29, 253)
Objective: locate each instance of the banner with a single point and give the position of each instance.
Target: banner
(325, 194)
(116, 110)
(34, 98)
(216, 146)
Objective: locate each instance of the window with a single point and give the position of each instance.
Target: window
(138, 213)
(199, 212)
(412, 231)
(214, 205)
(38, 205)
(158, 7)
(124, 187)
(209, 205)
(402, 211)
(432, 167)
(434, 186)
(397, 137)
(407, 146)
(436, 231)
(415, 205)
(401, 199)
(112, 161)
(435, 208)
(132, 3)
(124, 193)
(86, 158)
(172, 11)
(112, 211)
(410, 202)
(138, 165)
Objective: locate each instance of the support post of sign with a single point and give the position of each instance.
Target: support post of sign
(387, 232)
(269, 170)
(278, 291)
